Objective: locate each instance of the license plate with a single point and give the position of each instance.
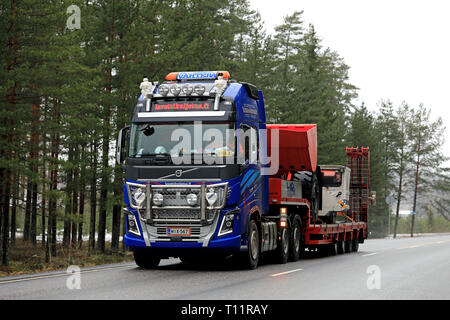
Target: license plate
(185, 232)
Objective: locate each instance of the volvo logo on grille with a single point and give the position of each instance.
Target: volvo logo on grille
(178, 173)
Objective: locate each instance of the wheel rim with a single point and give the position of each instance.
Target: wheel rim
(285, 241)
(296, 239)
(254, 245)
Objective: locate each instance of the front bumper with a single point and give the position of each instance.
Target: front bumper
(226, 245)
(206, 238)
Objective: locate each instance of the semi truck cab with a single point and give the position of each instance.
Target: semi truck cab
(193, 179)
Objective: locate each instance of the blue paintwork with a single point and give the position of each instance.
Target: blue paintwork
(249, 191)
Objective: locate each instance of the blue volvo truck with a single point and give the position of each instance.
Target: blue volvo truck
(198, 176)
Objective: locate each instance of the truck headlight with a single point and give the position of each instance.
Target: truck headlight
(175, 90)
(216, 195)
(192, 199)
(199, 90)
(163, 90)
(227, 224)
(187, 90)
(158, 199)
(211, 197)
(139, 196)
(136, 193)
(133, 227)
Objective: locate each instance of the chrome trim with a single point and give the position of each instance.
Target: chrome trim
(203, 204)
(143, 225)
(203, 195)
(220, 234)
(234, 212)
(213, 230)
(204, 240)
(148, 210)
(130, 198)
(174, 180)
(147, 215)
(177, 172)
(180, 167)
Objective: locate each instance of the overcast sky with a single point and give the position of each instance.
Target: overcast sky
(397, 50)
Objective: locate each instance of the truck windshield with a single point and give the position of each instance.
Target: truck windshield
(332, 178)
(182, 139)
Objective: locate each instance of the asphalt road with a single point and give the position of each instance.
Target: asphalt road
(417, 268)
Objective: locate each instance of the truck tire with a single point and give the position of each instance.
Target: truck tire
(324, 250)
(249, 259)
(332, 249)
(297, 249)
(315, 197)
(355, 244)
(283, 247)
(348, 246)
(340, 247)
(146, 260)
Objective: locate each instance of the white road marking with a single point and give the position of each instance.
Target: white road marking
(369, 254)
(287, 272)
(61, 275)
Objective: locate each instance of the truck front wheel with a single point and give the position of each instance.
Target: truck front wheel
(146, 260)
(250, 257)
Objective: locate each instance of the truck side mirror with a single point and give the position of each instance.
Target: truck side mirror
(122, 145)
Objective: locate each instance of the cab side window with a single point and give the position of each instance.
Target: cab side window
(248, 144)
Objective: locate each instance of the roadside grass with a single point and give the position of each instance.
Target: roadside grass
(24, 258)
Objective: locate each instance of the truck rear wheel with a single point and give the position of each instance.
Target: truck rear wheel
(146, 260)
(282, 251)
(297, 245)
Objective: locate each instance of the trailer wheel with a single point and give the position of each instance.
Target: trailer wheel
(250, 258)
(355, 244)
(340, 247)
(146, 260)
(297, 246)
(348, 246)
(282, 251)
(332, 249)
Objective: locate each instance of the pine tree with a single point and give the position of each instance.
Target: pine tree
(426, 138)
(401, 146)
(387, 123)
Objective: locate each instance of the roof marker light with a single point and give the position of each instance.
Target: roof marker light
(172, 76)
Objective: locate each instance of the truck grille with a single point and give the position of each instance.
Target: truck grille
(170, 215)
(177, 197)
